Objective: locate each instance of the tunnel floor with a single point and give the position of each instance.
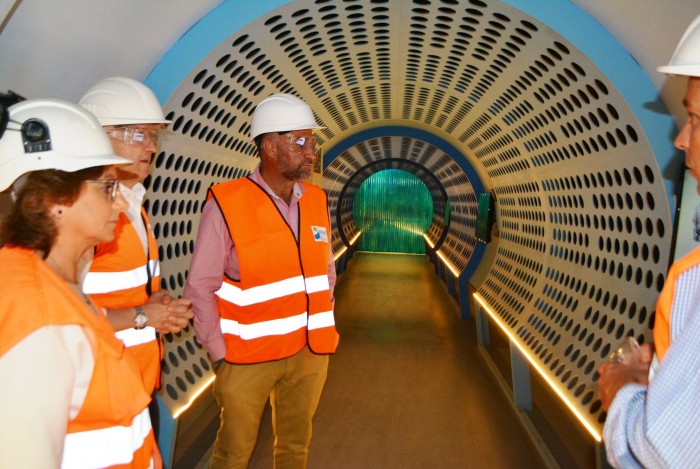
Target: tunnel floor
(406, 388)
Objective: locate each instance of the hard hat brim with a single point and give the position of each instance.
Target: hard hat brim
(109, 121)
(274, 129)
(681, 70)
(17, 167)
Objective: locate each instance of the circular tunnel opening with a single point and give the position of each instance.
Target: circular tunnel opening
(394, 209)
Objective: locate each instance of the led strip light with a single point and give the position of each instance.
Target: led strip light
(514, 340)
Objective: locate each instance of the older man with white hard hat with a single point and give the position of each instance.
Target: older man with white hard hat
(655, 422)
(261, 283)
(124, 275)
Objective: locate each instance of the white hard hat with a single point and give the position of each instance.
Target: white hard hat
(123, 101)
(52, 134)
(686, 58)
(282, 113)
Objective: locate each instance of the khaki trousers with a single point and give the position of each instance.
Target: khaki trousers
(293, 386)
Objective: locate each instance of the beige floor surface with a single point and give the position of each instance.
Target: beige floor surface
(406, 388)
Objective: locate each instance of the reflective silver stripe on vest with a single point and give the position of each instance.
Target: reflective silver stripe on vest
(263, 328)
(321, 320)
(261, 293)
(106, 282)
(317, 284)
(107, 446)
(132, 336)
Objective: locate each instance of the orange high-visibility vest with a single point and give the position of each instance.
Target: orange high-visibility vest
(120, 277)
(664, 305)
(282, 301)
(112, 428)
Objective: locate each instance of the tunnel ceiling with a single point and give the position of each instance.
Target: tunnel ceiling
(469, 96)
(503, 99)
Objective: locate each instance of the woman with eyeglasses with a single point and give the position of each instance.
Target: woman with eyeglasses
(70, 397)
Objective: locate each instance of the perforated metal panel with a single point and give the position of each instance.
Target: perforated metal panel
(581, 204)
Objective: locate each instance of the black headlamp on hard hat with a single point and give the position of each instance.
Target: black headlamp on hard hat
(7, 100)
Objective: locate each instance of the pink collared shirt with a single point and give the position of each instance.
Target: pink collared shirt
(214, 254)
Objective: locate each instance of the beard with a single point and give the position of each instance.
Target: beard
(300, 173)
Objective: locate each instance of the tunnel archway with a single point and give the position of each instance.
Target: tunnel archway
(393, 209)
(536, 103)
(437, 192)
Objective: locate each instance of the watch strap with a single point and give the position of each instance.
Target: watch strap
(141, 319)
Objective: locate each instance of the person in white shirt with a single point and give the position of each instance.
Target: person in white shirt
(124, 274)
(655, 422)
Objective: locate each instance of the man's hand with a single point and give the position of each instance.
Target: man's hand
(167, 314)
(613, 376)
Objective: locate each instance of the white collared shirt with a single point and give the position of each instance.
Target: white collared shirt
(134, 196)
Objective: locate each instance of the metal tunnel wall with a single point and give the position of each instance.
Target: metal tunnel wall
(530, 100)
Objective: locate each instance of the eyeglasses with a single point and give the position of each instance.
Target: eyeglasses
(303, 144)
(111, 186)
(134, 136)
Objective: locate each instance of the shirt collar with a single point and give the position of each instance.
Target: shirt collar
(136, 193)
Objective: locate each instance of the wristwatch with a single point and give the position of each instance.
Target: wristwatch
(140, 320)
